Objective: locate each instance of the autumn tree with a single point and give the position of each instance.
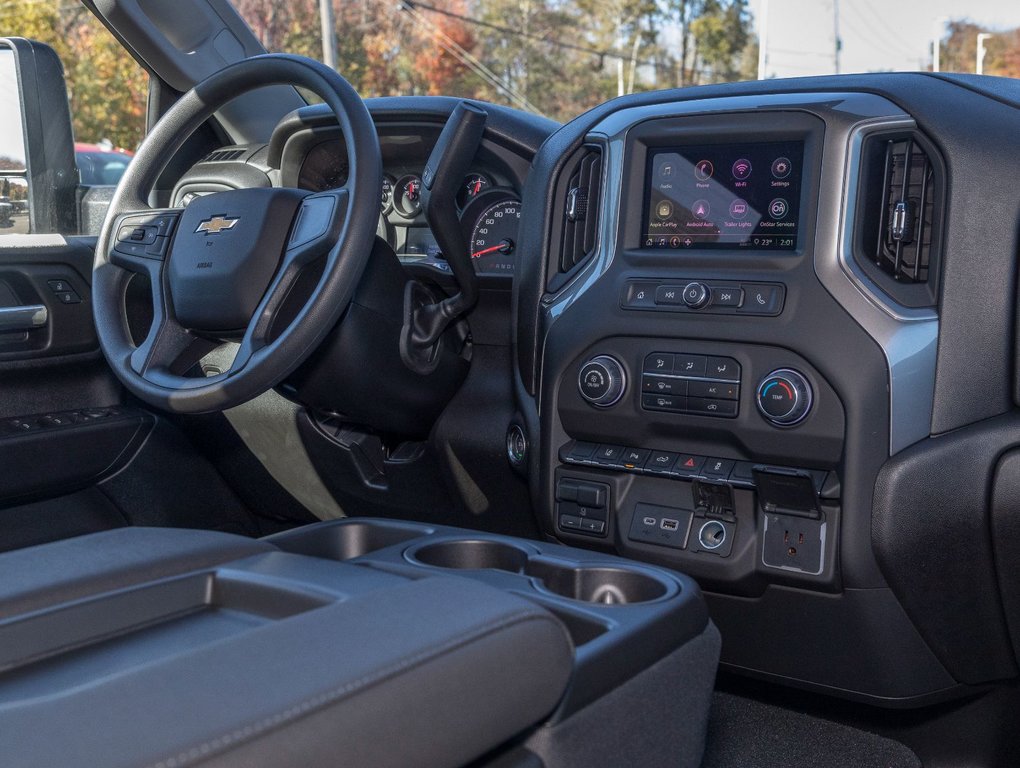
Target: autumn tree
(1002, 55)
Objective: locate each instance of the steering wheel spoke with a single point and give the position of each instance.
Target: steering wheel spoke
(317, 227)
(168, 349)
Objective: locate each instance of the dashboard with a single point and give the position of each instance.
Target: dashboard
(488, 203)
(757, 333)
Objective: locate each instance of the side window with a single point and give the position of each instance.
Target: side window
(107, 92)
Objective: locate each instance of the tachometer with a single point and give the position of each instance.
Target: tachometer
(494, 238)
(387, 194)
(407, 200)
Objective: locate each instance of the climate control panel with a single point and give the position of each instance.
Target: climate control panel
(697, 384)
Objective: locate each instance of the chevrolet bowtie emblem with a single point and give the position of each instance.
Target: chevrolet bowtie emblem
(217, 224)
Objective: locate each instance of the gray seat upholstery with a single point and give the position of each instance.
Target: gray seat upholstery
(247, 656)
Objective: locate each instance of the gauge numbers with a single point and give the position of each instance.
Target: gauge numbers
(494, 238)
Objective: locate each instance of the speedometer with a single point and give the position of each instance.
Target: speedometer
(494, 238)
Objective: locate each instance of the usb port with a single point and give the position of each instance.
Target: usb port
(650, 521)
(670, 524)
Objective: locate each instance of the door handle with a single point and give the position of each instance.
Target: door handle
(23, 318)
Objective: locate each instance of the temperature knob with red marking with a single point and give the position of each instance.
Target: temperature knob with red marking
(784, 397)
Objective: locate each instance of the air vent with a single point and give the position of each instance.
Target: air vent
(581, 209)
(223, 155)
(904, 232)
(898, 228)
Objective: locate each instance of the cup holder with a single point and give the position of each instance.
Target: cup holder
(469, 554)
(605, 585)
(593, 584)
(346, 539)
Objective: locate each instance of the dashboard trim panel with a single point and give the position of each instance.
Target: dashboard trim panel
(908, 337)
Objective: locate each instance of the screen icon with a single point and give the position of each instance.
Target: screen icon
(778, 208)
(703, 170)
(738, 208)
(664, 209)
(781, 167)
(666, 170)
(741, 169)
(701, 209)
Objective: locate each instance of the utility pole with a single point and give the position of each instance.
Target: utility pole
(979, 65)
(763, 38)
(936, 42)
(837, 41)
(328, 24)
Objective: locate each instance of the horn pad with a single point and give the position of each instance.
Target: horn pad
(227, 248)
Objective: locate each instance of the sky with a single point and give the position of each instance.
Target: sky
(876, 34)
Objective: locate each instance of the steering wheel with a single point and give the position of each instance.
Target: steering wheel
(222, 268)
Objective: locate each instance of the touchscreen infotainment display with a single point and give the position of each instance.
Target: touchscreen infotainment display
(724, 196)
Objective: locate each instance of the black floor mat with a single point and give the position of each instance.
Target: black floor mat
(744, 733)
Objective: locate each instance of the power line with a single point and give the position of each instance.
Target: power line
(609, 53)
(472, 62)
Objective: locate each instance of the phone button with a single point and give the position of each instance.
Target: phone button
(762, 299)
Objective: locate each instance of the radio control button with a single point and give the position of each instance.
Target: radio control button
(670, 294)
(726, 297)
(761, 299)
(696, 295)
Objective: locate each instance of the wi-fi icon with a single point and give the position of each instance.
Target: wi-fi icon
(742, 169)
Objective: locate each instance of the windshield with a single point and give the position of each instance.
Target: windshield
(561, 57)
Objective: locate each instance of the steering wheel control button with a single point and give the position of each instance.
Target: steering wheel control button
(696, 295)
(784, 397)
(602, 381)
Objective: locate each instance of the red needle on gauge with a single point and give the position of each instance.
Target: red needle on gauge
(501, 246)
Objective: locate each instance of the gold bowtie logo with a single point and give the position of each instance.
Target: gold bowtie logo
(217, 224)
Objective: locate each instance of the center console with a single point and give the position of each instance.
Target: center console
(711, 393)
(365, 641)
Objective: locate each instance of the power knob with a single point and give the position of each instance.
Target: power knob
(784, 397)
(602, 381)
(696, 295)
